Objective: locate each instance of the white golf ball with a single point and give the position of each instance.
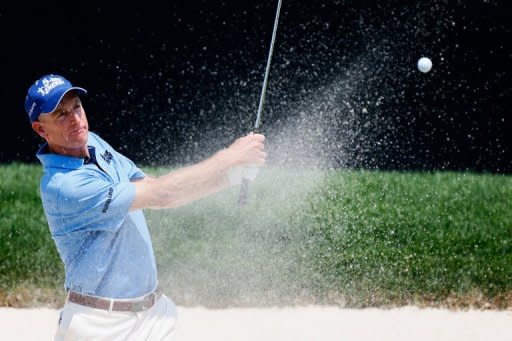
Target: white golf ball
(424, 64)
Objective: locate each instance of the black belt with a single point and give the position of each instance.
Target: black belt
(111, 304)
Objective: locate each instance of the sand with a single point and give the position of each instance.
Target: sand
(297, 323)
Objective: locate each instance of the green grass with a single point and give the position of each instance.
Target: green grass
(28, 258)
(393, 237)
(358, 238)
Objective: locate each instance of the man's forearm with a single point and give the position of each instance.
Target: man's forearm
(196, 181)
(183, 185)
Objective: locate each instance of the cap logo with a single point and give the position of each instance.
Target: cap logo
(49, 84)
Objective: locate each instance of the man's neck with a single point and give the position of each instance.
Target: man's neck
(75, 152)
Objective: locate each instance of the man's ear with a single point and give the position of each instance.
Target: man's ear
(39, 129)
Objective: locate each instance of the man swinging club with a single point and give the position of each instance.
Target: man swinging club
(93, 198)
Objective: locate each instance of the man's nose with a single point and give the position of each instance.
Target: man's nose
(75, 117)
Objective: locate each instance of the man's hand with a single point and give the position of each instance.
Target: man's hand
(247, 150)
(249, 157)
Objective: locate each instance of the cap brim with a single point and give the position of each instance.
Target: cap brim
(80, 90)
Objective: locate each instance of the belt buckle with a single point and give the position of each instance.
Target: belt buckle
(144, 304)
(139, 306)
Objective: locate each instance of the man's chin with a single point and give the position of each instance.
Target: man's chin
(78, 132)
(79, 138)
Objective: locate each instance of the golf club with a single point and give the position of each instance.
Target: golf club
(244, 187)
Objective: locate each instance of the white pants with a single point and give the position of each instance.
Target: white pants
(83, 323)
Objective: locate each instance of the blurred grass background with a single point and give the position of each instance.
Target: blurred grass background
(346, 237)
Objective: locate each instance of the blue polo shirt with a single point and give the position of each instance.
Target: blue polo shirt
(106, 249)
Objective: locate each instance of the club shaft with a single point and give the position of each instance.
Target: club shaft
(244, 188)
(267, 69)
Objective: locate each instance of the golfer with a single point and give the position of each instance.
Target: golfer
(93, 198)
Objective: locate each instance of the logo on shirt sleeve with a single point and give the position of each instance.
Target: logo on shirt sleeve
(109, 200)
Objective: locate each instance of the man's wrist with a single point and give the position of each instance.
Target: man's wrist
(231, 172)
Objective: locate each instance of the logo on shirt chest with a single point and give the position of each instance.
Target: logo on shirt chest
(107, 156)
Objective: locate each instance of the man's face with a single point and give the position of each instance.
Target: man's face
(65, 129)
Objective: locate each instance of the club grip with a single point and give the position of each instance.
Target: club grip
(244, 186)
(244, 189)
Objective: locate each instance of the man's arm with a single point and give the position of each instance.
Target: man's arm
(199, 180)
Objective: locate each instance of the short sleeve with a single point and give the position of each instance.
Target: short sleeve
(134, 172)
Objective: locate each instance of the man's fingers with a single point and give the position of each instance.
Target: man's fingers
(259, 136)
(256, 137)
(250, 149)
(262, 155)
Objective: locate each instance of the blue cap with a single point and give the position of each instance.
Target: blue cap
(46, 93)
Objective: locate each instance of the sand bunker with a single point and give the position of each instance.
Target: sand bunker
(297, 323)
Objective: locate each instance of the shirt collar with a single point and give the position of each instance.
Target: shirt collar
(92, 156)
(52, 160)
